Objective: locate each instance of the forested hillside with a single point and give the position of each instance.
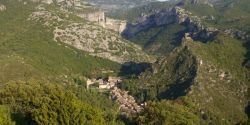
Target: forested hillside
(72, 62)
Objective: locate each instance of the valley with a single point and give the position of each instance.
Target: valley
(77, 62)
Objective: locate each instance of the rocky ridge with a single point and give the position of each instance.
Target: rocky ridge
(178, 15)
(211, 86)
(171, 16)
(218, 94)
(100, 19)
(94, 15)
(88, 36)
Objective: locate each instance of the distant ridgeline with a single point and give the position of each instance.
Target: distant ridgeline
(159, 28)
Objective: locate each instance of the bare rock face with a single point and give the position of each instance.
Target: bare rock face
(176, 15)
(2, 7)
(95, 16)
(163, 17)
(108, 23)
(99, 42)
(47, 1)
(90, 37)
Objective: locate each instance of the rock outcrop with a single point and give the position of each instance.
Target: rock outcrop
(176, 15)
(237, 34)
(47, 1)
(90, 37)
(95, 16)
(217, 92)
(109, 23)
(99, 42)
(2, 7)
(218, 95)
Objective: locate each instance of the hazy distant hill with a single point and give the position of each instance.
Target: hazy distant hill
(113, 5)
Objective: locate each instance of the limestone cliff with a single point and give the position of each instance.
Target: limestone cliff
(94, 15)
(89, 36)
(99, 18)
(176, 15)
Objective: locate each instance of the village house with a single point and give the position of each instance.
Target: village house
(104, 83)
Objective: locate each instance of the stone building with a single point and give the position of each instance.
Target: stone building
(104, 84)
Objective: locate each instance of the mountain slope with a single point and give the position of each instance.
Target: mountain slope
(39, 49)
(201, 19)
(87, 36)
(216, 85)
(28, 49)
(113, 5)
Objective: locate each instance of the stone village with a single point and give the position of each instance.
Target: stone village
(127, 102)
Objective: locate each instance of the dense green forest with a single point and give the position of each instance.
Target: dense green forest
(190, 68)
(36, 102)
(41, 103)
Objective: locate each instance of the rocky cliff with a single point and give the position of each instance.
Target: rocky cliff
(176, 15)
(218, 91)
(91, 35)
(195, 73)
(99, 18)
(94, 15)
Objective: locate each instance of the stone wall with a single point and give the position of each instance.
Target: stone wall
(47, 1)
